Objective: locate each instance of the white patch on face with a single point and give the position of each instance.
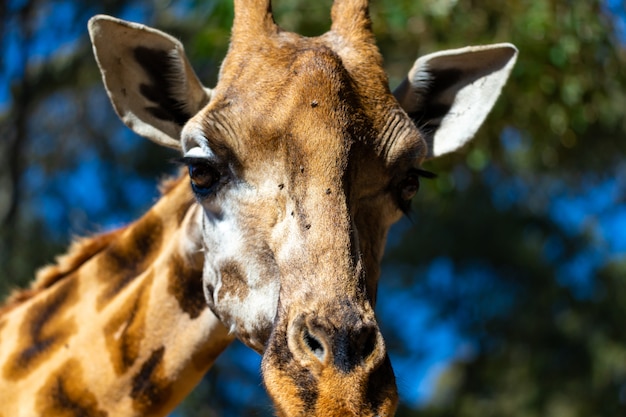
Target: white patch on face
(291, 247)
(255, 312)
(225, 243)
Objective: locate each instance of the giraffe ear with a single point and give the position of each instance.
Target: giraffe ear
(148, 78)
(448, 94)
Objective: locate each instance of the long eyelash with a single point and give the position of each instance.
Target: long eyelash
(422, 173)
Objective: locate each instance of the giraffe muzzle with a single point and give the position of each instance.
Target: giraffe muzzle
(318, 343)
(329, 361)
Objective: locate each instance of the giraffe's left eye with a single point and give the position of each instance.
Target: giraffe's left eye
(204, 176)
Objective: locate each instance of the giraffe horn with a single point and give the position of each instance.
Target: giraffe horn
(351, 20)
(253, 18)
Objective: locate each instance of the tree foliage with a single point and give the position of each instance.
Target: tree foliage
(518, 246)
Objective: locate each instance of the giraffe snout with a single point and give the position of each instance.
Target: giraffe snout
(329, 361)
(321, 344)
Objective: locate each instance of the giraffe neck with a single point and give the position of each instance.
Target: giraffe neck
(119, 328)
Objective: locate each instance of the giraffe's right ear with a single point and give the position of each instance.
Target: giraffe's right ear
(448, 94)
(148, 78)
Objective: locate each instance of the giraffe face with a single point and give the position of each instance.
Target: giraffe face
(297, 203)
(297, 199)
(301, 159)
(295, 219)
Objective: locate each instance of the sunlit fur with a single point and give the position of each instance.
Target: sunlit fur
(300, 156)
(314, 143)
(117, 327)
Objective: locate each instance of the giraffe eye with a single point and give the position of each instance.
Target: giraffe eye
(204, 176)
(409, 187)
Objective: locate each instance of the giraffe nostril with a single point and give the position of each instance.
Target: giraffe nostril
(367, 342)
(313, 344)
(344, 347)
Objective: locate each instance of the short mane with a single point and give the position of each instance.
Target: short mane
(81, 251)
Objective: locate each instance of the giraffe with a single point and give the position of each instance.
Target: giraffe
(298, 162)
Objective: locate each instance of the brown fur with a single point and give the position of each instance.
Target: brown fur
(65, 394)
(125, 346)
(44, 330)
(301, 159)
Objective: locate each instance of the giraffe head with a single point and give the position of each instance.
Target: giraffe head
(301, 158)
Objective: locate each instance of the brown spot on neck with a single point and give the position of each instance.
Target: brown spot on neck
(129, 256)
(151, 390)
(46, 327)
(66, 394)
(126, 329)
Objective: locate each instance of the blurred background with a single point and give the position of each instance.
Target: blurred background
(504, 295)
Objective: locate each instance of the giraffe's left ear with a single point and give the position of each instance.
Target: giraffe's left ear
(148, 78)
(448, 94)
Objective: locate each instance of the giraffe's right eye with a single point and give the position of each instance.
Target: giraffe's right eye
(204, 176)
(409, 186)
